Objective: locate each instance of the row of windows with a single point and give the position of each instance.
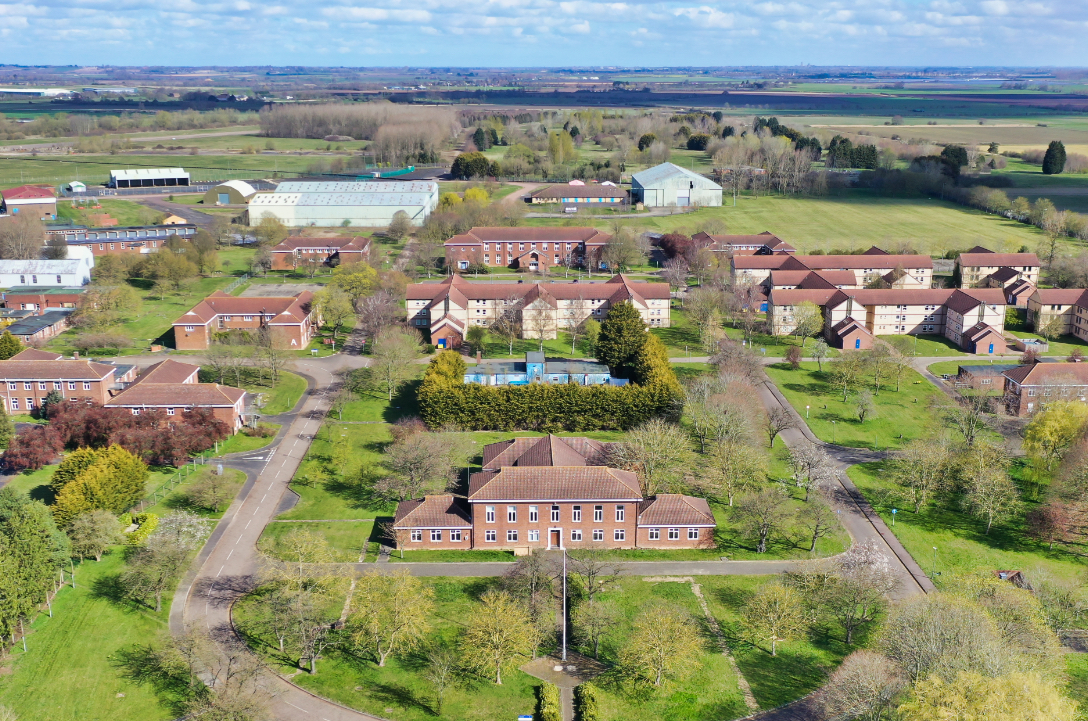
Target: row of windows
(43, 385)
(534, 513)
(33, 280)
(619, 534)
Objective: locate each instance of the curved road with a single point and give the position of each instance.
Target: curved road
(225, 568)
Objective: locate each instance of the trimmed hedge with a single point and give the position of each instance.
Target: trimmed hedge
(147, 523)
(547, 703)
(585, 703)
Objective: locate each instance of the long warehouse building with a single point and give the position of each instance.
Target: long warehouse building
(362, 204)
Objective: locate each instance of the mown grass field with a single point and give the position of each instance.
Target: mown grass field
(125, 212)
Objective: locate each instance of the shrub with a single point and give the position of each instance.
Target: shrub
(471, 165)
(146, 525)
(793, 357)
(585, 703)
(547, 703)
(698, 141)
(263, 430)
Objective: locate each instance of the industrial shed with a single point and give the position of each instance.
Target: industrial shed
(149, 178)
(232, 192)
(363, 204)
(670, 185)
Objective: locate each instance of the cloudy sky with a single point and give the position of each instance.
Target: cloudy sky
(544, 32)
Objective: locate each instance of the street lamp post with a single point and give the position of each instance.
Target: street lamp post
(894, 511)
(806, 412)
(933, 568)
(833, 436)
(564, 605)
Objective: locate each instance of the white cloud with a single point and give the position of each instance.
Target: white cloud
(707, 16)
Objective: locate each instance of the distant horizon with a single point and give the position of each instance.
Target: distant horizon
(537, 33)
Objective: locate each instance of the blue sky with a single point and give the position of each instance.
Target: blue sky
(544, 32)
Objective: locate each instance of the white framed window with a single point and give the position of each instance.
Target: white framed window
(598, 513)
(555, 514)
(576, 514)
(417, 535)
(534, 514)
(693, 534)
(534, 536)
(598, 534)
(189, 328)
(436, 534)
(489, 514)
(14, 404)
(135, 411)
(227, 319)
(491, 535)
(86, 385)
(12, 386)
(455, 535)
(247, 317)
(169, 411)
(576, 535)
(511, 536)
(56, 385)
(619, 512)
(41, 385)
(71, 385)
(619, 534)
(512, 514)
(674, 534)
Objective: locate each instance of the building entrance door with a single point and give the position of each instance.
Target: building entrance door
(554, 539)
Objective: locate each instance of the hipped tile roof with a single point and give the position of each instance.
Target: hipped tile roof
(674, 509)
(33, 354)
(54, 370)
(167, 371)
(823, 262)
(989, 260)
(442, 511)
(181, 395)
(554, 483)
(1038, 374)
(289, 310)
(547, 451)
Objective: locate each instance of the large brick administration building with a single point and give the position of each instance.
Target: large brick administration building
(291, 319)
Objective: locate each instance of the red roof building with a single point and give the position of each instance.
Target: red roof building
(297, 251)
(291, 319)
(534, 249)
(41, 202)
(174, 388)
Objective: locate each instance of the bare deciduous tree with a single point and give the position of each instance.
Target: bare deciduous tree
(658, 452)
(778, 420)
(762, 513)
(862, 687)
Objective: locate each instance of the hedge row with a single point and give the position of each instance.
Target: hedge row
(585, 703)
(146, 524)
(547, 703)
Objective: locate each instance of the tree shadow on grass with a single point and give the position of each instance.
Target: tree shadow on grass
(396, 694)
(404, 403)
(776, 680)
(146, 667)
(42, 493)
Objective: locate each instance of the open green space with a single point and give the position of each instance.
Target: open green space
(451, 556)
(36, 483)
(962, 544)
(79, 665)
(177, 499)
(849, 219)
(241, 443)
(900, 416)
(95, 169)
(1061, 346)
(125, 212)
(279, 398)
(348, 539)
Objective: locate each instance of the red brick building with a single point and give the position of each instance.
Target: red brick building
(40, 300)
(27, 378)
(174, 387)
(292, 319)
(37, 201)
(545, 493)
(127, 240)
(1028, 388)
(534, 249)
(296, 250)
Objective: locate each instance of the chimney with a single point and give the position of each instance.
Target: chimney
(75, 355)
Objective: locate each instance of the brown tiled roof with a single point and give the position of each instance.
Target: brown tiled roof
(612, 290)
(1005, 274)
(546, 451)
(292, 309)
(979, 330)
(848, 325)
(964, 300)
(456, 323)
(581, 191)
(357, 243)
(673, 509)
(167, 371)
(33, 354)
(822, 262)
(727, 242)
(54, 370)
(873, 250)
(528, 235)
(444, 511)
(538, 293)
(1020, 287)
(1038, 374)
(793, 296)
(555, 483)
(998, 259)
(834, 278)
(27, 192)
(181, 395)
(1059, 296)
(978, 249)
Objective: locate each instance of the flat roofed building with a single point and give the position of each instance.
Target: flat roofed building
(149, 178)
(537, 369)
(361, 204)
(449, 308)
(755, 269)
(40, 327)
(291, 319)
(296, 250)
(128, 240)
(670, 185)
(532, 249)
(40, 300)
(570, 194)
(46, 273)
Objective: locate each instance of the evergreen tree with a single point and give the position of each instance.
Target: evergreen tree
(7, 428)
(1054, 160)
(114, 481)
(481, 139)
(470, 165)
(51, 399)
(31, 551)
(623, 335)
(955, 155)
(9, 345)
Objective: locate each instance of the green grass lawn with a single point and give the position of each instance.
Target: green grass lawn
(398, 692)
(126, 212)
(444, 556)
(962, 544)
(925, 346)
(901, 417)
(36, 483)
(853, 218)
(75, 667)
(348, 539)
(241, 443)
(946, 367)
(1060, 347)
(281, 397)
(177, 499)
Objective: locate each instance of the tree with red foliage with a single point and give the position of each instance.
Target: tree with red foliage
(1050, 523)
(675, 244)
(32, 449)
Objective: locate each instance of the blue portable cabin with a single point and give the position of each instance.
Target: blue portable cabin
(538, 369)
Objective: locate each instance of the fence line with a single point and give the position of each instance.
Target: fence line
(236, 283)
(175, 479)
